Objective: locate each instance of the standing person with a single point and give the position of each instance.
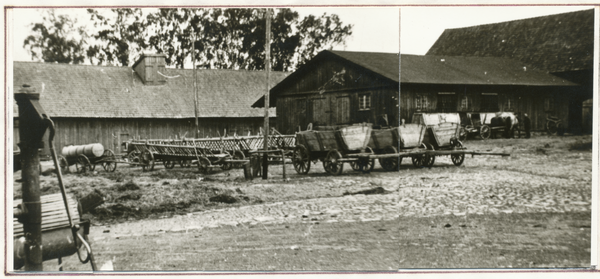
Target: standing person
(527, 126)
(519, 123)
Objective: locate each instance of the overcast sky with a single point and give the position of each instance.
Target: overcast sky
(375, 29)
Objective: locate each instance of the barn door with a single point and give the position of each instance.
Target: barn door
(320, 111)
(342, 110)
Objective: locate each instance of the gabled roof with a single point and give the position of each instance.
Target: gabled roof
(118, 92)
(382, 64)
(385, 64)
(431, 69)
(554, 43)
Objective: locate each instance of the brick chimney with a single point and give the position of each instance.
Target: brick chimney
(149, 67)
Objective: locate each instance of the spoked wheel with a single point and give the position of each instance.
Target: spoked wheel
(390, 164)
(457, 159)
(429, 160)
(419, 160)
(169, 164)
(366, 165)
(227, 165)
(133, 157)
(301, 159)
(354, 165)
(63, 163)
(83, 164)
(332, 164)
(109, 164)
(485, 132)
(147, 160)
(204, 165)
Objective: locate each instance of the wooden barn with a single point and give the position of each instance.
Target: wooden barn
(480, 84)
(110, 105)
(338, 88)
(561, 44)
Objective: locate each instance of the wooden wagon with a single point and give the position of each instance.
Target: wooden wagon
(333, 148)
(485, 124)
(396, 143)
(86, 157)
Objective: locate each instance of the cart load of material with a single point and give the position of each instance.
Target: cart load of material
(89, 150)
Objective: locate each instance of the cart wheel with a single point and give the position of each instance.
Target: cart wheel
(418, 160)
(133, 157)
(227, 165)
(429, 160)
(463, 133)
(238, 155)
(63, 163)
(390, 164)
(110, 164)
(301, 159)
(185, 163)
(204, 165)
(485, 132)
(354, 165)
(169, 164)
(366, 165)
(331, 163)
(147, 160)
(256, 165)
(457, 159)
(83, 164)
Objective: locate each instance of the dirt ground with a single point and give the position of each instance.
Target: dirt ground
(150, 215)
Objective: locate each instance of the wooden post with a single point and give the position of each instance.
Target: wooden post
(195, 85)
(268, 70)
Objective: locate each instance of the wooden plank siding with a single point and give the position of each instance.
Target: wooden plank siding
(315, 98)
(525, 99)
(111, 132)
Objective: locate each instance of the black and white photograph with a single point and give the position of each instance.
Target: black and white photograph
(291, 139)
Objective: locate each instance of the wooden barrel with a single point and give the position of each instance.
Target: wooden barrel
(90, 150)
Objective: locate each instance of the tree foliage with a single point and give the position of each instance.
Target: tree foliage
(223, 38)
(118, 38)
(57, 39)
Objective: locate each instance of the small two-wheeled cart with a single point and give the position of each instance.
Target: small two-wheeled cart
(86, 157)
(333, 147)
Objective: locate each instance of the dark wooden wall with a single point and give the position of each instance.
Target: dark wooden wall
(112, 132)
(314, 98)
(525, 99)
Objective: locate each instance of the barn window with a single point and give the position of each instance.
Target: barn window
(549, 104)
(364, 102)
(446, 102)
(509, 104)
(421, 102)
(489, 102)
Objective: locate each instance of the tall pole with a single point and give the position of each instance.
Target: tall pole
(31, 131)
(195, 85)
(268, 70)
